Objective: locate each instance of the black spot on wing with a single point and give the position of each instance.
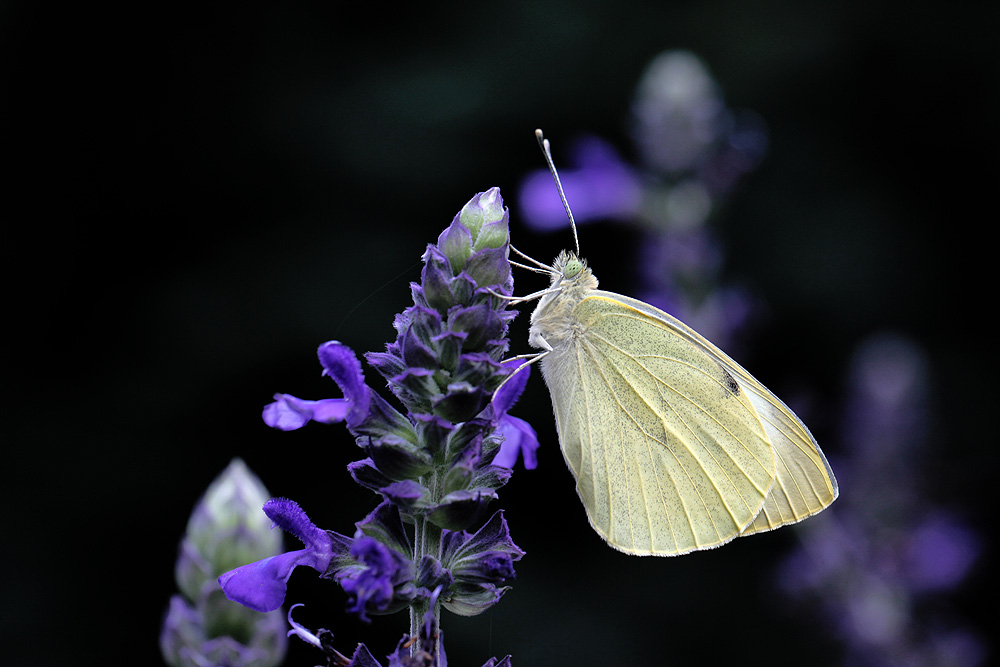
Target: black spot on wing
(730, 382)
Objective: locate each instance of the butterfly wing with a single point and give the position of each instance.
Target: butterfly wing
(804, 483)
(668, 453)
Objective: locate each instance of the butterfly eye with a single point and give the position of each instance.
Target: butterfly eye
(572, 269)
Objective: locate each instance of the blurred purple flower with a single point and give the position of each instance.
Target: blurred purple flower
(599, 184)
(885, 546)
(693, 150)
(201, 627)
(682, 128)
(190, 638)
(939, 553)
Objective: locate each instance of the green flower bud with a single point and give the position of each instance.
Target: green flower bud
(486, 207)
(227, 529)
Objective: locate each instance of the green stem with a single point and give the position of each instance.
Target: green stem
(417, 606)
(426, 540)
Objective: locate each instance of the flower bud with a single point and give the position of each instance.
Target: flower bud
(367, 475)
(483, 209)
(381, 582)
(472, 600)
(460, 509)
(480, 563)
(486, 557)
(405, 495)
(186, 640)
(456, 244)
(398, 459)
(226, 529)
(489, 267)
(463, 401)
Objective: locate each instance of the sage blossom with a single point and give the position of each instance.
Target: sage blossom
(435, 465)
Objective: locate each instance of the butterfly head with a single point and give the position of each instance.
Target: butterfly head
(570, 271)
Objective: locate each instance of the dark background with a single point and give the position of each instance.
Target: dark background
(197, 196)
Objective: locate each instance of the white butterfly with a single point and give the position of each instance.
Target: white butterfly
(674, 446)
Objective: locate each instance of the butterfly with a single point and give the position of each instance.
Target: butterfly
(673, 445)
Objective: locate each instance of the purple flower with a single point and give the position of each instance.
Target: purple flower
(879, 563)
(432, 464)
(288, 413)
(261, 585)
(519, 438)
(372, 587)
(940, 552)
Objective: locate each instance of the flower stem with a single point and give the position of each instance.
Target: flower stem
(418, 605)
(426, 541)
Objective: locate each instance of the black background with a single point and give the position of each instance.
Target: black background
(198, 196)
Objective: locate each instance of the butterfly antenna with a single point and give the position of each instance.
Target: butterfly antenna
(547, 152)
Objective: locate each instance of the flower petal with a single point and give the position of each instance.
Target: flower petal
(507, 395)
(405, 494)
(372, 587)
(289, 413)
(519, 438)
(287, 515)
(341, 364)
(489, 267)
(455, 243)
(261, 585)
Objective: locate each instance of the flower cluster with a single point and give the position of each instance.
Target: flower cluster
(436, 467)
(201, 627)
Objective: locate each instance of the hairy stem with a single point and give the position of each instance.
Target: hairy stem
(426, 541)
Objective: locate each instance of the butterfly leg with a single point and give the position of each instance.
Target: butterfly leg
(521, 299)
(532, 358)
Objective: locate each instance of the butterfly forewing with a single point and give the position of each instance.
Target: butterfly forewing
(805, 483)
(668, 454)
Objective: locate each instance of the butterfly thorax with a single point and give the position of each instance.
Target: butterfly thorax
(552, 320)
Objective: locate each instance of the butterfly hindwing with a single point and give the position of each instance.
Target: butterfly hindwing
(804, 484)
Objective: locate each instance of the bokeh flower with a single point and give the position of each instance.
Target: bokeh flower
(200, 626)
